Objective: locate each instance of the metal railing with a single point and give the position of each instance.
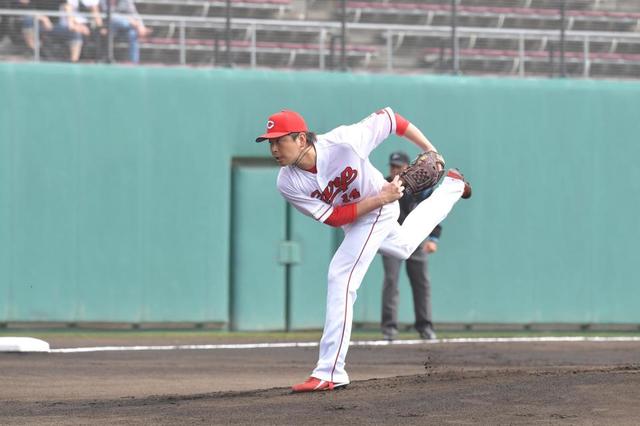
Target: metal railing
(326, 33)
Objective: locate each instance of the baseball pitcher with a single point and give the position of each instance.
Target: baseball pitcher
(329, 177)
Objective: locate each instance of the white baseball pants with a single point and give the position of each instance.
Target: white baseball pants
(379, 230)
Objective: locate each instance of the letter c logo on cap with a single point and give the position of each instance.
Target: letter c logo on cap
(270, 124)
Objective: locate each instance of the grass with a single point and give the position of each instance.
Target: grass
(227, 336)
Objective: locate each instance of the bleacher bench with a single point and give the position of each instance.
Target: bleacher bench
(534, 55)
(273, 5)
(358, 7)
(269, 4)
(291, 50)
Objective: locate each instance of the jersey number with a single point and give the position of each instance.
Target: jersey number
(353, 195)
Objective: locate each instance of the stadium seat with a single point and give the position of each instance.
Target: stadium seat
(272, 53)
(240, 8)
(496, 14)
(392, 36)
(536, 62)
(537, 55)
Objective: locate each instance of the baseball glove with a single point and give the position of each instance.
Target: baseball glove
(425, 172)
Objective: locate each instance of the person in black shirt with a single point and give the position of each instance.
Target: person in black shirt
(416, 266)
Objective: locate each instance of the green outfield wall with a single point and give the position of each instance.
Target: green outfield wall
(138, 195)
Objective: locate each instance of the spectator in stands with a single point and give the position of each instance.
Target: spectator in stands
(416, 267)
(126, 20)
(4, 22)
(68, 29)
(28, 22)
(76, 26)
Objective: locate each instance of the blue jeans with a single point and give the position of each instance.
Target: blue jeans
(65, 33)
(27, 22)
(59, 30)
(122, 25)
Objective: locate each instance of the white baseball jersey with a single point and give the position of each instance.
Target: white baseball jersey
(345, 174)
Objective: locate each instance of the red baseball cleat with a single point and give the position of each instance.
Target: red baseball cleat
(455, 174)
(313, 385)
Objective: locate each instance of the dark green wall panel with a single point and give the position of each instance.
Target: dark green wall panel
(259, 226)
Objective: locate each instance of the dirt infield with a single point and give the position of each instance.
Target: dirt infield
(465, 383)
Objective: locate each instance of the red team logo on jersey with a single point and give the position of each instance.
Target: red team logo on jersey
(337, 185)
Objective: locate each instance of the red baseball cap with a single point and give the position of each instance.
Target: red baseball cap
(282, 123)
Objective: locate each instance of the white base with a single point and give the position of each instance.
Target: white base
(23, 344)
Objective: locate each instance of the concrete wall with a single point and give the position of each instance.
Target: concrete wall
(116, 195)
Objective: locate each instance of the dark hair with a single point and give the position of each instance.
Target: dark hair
(311, 136)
